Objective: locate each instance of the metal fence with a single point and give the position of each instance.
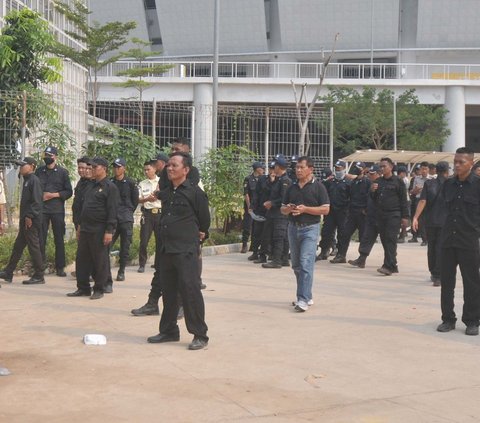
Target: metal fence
(264, 129)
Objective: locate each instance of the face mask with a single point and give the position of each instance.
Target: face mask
(339, 174)
(48, 160)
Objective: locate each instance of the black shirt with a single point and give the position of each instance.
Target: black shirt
(31, 204)
(99, 211)
(435, 211)
(264, 185)
(277, 192)
(250, 188)
(391, 196)
(128, 191)
(55, 180)
(79, 197)
(339, 192)
(312, 194)
(359, 191)
(462, 224)
(184, 215)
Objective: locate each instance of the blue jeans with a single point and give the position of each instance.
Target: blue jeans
(303, 249)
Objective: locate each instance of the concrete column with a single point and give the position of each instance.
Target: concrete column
(202, 101)
(455, 104)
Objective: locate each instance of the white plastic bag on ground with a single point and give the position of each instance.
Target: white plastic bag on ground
(94, 339)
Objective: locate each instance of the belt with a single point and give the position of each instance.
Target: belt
(302, 225)
(155, 210)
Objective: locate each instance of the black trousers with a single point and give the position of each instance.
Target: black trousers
(257, 231)
(369, 237)
(57, 220)
(125, 232)
(150, 223)
(388, 227)
(355, 220)
(92, 259)
(30, 238)
(267, 234)
(336, 219)
(179, 275)
(246, 225)
(280, 245)
(468, 261)
(434, 250)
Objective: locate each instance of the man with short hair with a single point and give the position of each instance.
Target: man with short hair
(388, 192)
(304, 202)
(418, 182)
(56, 190)
(460, 244)
(159, 163)
(185, 221)
(95, 233)
(433, 204)
(128, 191)
(30, 225)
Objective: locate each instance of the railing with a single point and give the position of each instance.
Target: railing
(295, 70)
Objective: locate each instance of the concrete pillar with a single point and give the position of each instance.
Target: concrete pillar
(455, 104)
(202, 101)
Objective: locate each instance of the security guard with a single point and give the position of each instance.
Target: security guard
(370, 233)
(279, 220)
(249, 194)
(83, 183)
(56, 190)
(262, 240)
(151, 208)
(359, 193)
(97, 226)
(291, 173)
(390, 198)
(339, 193)
(128, 191)
(30, 225)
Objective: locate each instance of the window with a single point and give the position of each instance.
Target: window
(149, 4)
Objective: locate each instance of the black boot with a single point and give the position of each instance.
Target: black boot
(323, 255)
(359, 262)
(244, 247)
(338, 259)
(253, 257)
(262, 258)
(121, 274)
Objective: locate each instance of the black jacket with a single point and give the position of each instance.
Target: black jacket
(128, 191)
(55, 180)
(31, 204)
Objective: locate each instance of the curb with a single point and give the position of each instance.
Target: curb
(216, 250)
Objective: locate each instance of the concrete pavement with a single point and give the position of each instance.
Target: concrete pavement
(366, 352)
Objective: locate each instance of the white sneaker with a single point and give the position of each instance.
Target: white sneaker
(310, 303)
(301, 306)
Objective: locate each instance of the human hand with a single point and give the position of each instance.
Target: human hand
(107, 238)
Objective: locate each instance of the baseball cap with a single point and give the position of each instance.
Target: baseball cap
(360, 165)
(401, 169)
(257, 165)
(374, 169)
(442, 167)
(340, 163)
(162, 156)
(119, 162)
(99, 161)
(271, 165)
(281, 160)
(26, 160)
(51, 150)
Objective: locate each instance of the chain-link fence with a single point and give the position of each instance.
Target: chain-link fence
(263, 129)
(25, 117)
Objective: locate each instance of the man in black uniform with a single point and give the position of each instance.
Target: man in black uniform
(338, 190)
(279, 220)
(291, 171)
(128, 191)
(30, 225)
(97, 226)
(56, 190)
(82, 185)
(460, 244)
(359, 192)
(160, 162)
(370, 232)
(432, 204)
(262, 240)
(249, 194)
(390, 198)
(184, 223)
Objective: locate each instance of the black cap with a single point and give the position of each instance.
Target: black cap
(402, 169)
(442, 167)
(51, 150)
(119, 162)
(340, 163)
(294, 158)
(258, 165)
(162, 156)
(99, 161)
(271, 165)
(374, 169)
(281, 160)
(360, 165)
(26, 160)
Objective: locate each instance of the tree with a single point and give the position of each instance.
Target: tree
(136, 75)
(25, 64)
(133, 146)
(365, 120)
(223, 171)
(99, 40)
